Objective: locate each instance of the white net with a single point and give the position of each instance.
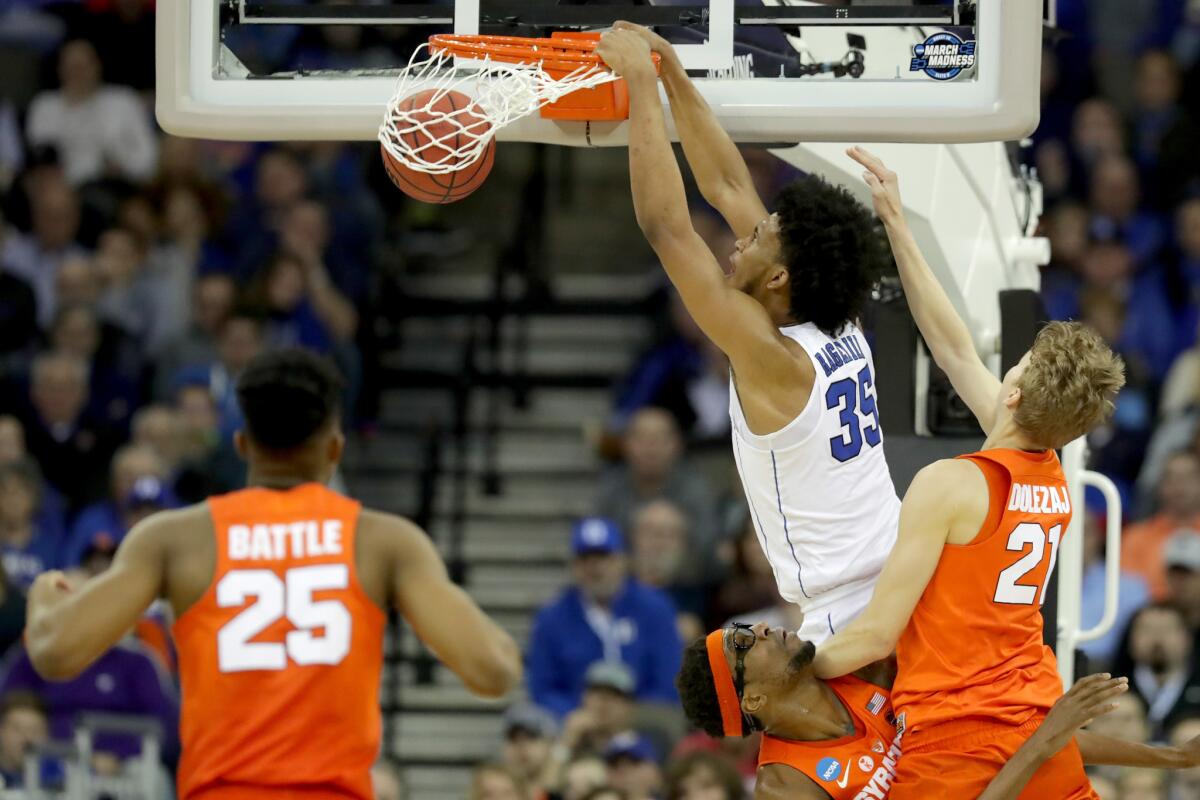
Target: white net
(429, 129)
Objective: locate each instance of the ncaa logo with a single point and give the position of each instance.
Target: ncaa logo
(829, 768)
(943, 56)
(866, 764)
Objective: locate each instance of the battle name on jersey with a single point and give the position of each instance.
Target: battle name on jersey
(277, 541)
(1033, 499)
(839, 352)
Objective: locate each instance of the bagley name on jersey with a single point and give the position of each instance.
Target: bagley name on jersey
(277, 541)
(1034, 499)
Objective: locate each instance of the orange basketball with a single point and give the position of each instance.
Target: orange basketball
(436, 142)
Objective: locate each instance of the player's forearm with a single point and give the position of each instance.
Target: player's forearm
(659, 200)
(852, 649)
(713, 157)
(1098, 749)
(60, 643)
(943, 330)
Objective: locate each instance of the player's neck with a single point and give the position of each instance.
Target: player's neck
(277, 476)
(812, 712)
(1007, 435)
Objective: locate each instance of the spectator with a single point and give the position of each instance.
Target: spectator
(584, 775)
(1182, 557)
(12, 440)
(124, 37)
(385, 781)
(703, 776)
(137, 483)
(529, 733)
(114, 365)
(239, 340)
(1132, 594)
(126, 680)
(1127, 721)
(653, 469)
(100, 131)
(607, 710)
(18, 305)
(750, 587)
(302, 307)
(126, 300)
(212, 301)
(660, 543)
(28, 546)
(1143, 544)
(1142, 784)
(77, 283)
(605, 616)
(72, 449)
(23, 728)
(160, 428)
(497, 782)
(1158, 88)
(208, 463)
(1185, 784)
(1115, 197)
(1158, 658)
(36, 258)
(633, 766)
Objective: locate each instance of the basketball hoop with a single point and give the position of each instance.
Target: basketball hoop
(507, 78)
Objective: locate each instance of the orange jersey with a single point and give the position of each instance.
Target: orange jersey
(280, 659)
(859, 765)
(973, 647)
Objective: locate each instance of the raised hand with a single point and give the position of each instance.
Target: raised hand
(885, 186)
(626, 53)
(657, 43)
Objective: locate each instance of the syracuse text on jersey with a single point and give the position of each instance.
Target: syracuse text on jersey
(882, 779)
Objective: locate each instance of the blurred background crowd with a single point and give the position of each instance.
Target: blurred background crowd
(140, 272)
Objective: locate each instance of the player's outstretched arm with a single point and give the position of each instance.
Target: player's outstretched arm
(445, 617)
(719, 168)
(1098, 749)
(948, 337)
(68, 627)
(1088, 699)
(734, 321)
(940, 496)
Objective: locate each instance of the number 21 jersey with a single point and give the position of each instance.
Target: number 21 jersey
(280, 659)
(973, 647)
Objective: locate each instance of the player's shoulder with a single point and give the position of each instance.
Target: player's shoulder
(951, 482)
(175, 523)
(380, 532)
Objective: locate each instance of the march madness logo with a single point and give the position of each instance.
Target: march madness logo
(943, 56)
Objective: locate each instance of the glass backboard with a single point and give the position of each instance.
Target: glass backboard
(774, 72)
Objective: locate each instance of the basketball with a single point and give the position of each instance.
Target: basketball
(451, 121)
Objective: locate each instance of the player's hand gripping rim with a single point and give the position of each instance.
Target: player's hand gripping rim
(1091, 697)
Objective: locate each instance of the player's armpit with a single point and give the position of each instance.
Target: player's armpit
(445, 618)
(927, 516)
(781, 782)
(68, 627)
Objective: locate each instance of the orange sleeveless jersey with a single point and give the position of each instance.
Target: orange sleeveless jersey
(280, 659)
(859, 765)
(973, 647)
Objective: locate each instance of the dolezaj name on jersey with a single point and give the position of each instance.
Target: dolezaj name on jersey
(943, 56)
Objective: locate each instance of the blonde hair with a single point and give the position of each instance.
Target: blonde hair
(1069, 385)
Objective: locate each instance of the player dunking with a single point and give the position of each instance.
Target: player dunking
(279, 592)
(960, 596)
(806, 434)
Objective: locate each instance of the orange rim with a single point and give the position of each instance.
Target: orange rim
(562, 52)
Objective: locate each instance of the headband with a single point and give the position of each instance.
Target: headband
(731, 710)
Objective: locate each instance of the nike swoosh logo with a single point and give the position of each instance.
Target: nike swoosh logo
(846, 775)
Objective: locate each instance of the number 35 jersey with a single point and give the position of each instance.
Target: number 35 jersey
(973, 646)
(280, 659)
(821, 498)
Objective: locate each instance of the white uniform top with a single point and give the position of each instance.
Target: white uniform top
(821, 497)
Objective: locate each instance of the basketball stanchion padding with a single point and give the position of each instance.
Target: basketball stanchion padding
(458, 90)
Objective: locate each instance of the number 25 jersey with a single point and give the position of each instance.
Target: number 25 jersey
(973, 647)
(280, 659)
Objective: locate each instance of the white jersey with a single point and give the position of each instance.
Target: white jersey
(821, 497)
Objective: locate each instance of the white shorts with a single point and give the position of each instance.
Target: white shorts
(828, 613)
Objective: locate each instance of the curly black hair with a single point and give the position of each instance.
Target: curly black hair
(286, 396)
(697, 692)
(835, 251)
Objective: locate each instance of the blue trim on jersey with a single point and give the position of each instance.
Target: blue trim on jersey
(829, 621)
(786, 534)
(762, 535)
